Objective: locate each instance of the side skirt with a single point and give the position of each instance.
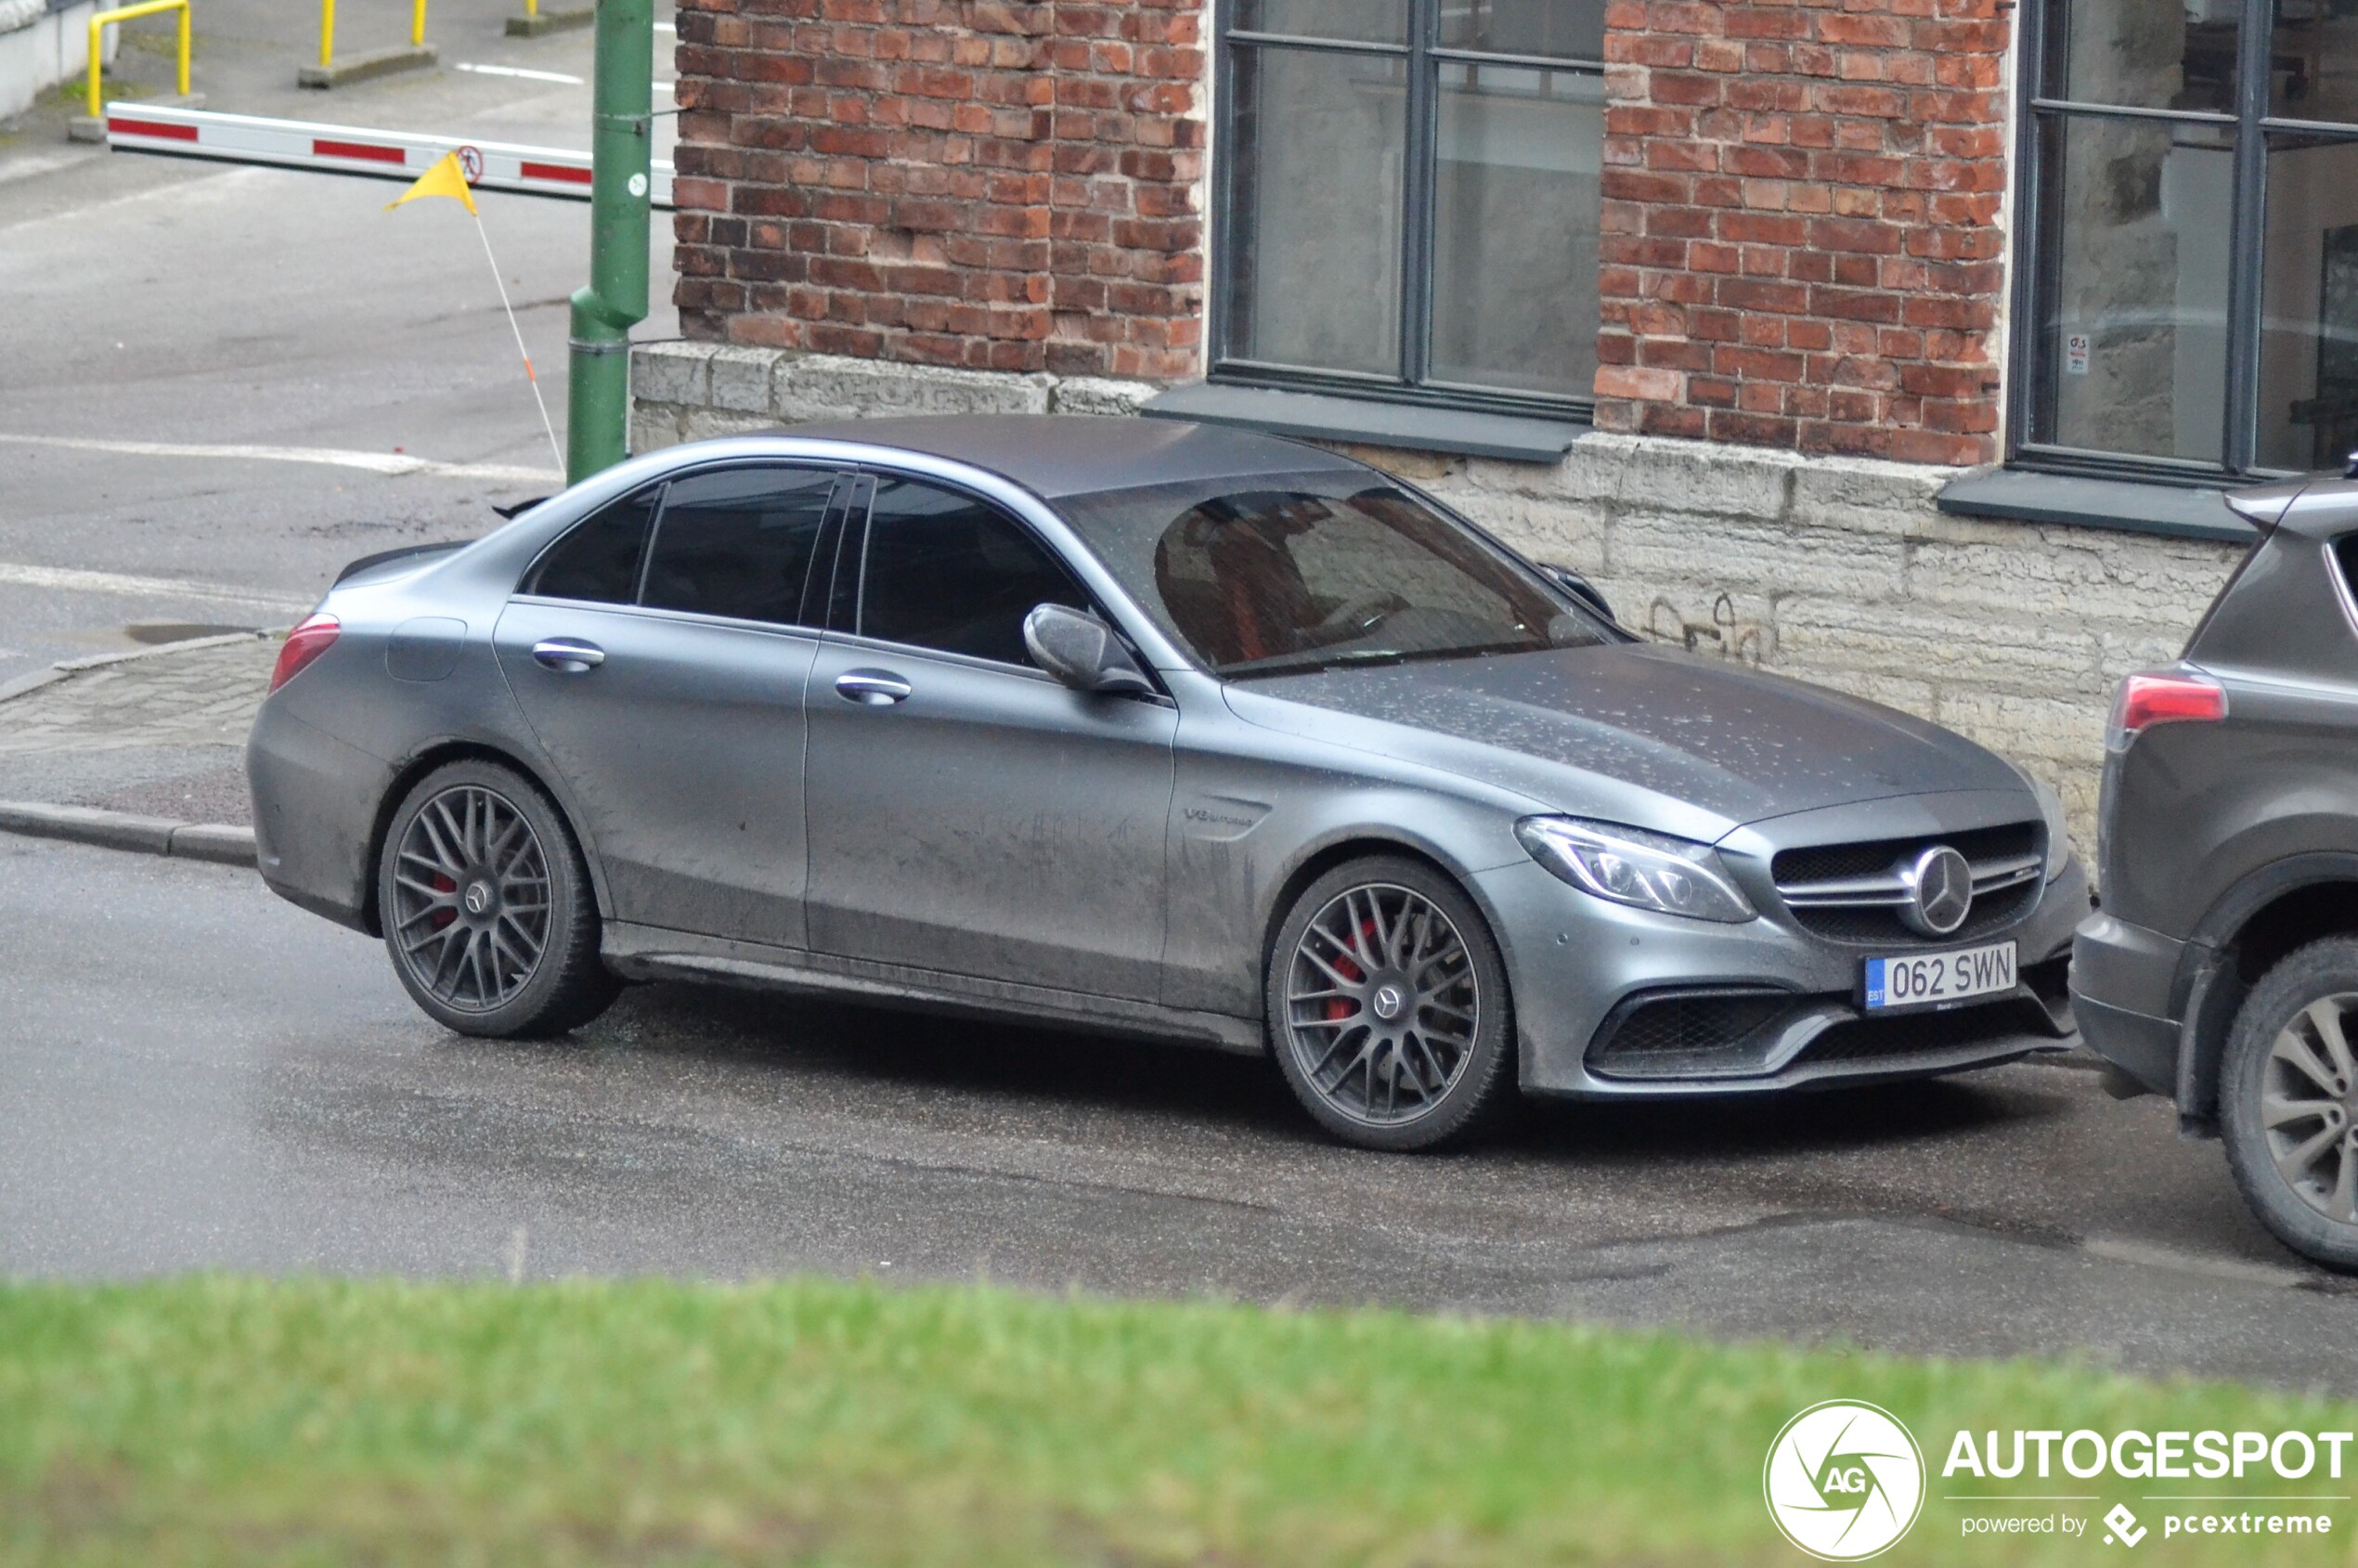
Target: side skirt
(650, 953)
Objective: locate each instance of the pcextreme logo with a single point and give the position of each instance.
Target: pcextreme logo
(1844, 1480)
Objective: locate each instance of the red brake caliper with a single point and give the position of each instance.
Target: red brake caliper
(441, 917)
(1341, 1007)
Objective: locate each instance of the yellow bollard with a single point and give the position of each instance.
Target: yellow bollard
(327, 33)
(104, 19)
(418, 24)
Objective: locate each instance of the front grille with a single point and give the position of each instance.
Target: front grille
(1852, 892)
(1924, 1035)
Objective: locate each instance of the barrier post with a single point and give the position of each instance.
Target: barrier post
(327, 33)
(99, 24)
(418, 24)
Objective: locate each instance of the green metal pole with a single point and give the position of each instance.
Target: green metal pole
(598, 412)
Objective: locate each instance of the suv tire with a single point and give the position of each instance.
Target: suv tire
(2293, 1055)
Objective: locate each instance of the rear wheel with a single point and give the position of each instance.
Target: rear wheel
(1388, 1007)
(487, 906)
(2289, 1101)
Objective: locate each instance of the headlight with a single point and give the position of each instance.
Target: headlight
(2059, 832)
(1632, 867)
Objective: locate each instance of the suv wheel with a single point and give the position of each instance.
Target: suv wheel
(1388, 1007)
(487, 906)
(2289, 1101)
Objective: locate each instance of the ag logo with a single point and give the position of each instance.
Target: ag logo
(1844, 1480)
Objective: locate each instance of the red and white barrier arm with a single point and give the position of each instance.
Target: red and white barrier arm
(345, 150)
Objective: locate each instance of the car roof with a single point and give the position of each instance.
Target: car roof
(1054, 455)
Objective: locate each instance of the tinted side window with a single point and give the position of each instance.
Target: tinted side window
(947, 571)
(738, 542)
(599, 561)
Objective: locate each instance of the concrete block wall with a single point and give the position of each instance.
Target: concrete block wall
(42, 43)
(1836, 570)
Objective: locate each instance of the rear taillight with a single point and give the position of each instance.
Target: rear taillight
(304, 644)
(2169, 697)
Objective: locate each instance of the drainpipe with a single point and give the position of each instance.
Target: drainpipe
(621, 143)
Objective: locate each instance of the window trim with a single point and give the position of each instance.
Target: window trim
(2250, 127)
(1424, 54)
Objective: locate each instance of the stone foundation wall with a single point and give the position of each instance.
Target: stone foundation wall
(1836, 570)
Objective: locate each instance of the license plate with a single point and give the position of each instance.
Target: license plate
(1928, 980)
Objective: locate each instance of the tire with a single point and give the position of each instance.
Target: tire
(2295, 1041)
(487, 906)
(1430, 1064)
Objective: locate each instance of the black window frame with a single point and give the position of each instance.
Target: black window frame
(1425, 55)
(2249, 126)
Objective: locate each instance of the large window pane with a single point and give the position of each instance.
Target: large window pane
(1361, 21)
(2308, 289)
(2134, 325)
(1562, 29)
(738, 542)
(2145, 54)
(1314, 255)
(1514, 286)
(947, 571)
(2313, 62)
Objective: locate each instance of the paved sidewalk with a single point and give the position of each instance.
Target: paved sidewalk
(162, 732)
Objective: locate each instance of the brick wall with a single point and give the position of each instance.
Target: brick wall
(966, 183)
(1801, 223)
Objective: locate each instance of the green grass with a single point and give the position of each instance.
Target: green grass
(234, 1421)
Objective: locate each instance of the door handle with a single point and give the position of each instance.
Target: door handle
(876, 688)
(568, 655)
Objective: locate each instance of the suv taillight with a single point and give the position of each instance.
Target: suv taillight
(304, 644)
(2167, 697)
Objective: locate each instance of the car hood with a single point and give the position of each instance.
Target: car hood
(1643, 734)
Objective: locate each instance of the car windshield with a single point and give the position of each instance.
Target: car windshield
(1290, 573)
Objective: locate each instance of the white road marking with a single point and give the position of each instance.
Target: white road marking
(375, 463)
(74, 579)
(519, 70)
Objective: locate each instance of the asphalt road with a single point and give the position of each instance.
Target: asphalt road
(194, 1075)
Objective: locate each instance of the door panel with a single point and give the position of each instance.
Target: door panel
(991, 822)
(967, 814)
(684, 750)
(677, 721)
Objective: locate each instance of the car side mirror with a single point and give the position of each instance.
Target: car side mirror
(1083, 652)
(1582, 590)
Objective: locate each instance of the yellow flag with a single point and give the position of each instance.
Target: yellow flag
(446, 178)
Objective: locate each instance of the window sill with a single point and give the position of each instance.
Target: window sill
(1321, 416)
(2129, 505)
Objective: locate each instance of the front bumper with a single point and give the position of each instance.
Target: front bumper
(1785, 998)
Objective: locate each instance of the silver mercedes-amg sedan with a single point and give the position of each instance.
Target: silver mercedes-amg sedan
(1143, 728)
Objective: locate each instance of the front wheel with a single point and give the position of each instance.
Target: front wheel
(2289, 1101)
(1388, 1007)
(487, 906)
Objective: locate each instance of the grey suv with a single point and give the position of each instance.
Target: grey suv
(2222, 970)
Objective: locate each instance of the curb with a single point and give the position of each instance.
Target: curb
(221, 843)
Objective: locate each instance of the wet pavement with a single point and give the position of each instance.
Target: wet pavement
(195, 1075)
